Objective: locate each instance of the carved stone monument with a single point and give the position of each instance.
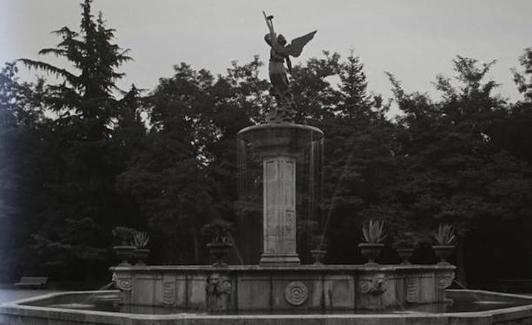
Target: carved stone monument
(280, 165)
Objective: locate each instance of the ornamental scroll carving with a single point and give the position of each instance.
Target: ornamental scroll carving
(373, 285)
(123, 282)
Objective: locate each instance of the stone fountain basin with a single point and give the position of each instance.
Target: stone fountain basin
(37, 311)
(255, 288)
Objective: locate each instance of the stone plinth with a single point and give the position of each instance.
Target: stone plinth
(244, 288)
(279, 223)
(279, 148)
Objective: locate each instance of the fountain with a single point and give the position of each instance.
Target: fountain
(275, 287)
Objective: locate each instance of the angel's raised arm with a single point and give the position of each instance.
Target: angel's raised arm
(269, 23)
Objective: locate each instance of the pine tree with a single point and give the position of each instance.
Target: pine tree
(80, 203)
(84, 100)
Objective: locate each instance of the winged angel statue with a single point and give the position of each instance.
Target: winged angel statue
(279, 53)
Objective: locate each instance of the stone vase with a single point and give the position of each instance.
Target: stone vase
(124, 253)
(219, 252)
(405, 254)
(443, 252)
(141, 255)
(371, 251)
(318, 255)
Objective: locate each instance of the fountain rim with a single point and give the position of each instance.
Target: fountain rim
(266, 126)
(18, 308)
(282, 268)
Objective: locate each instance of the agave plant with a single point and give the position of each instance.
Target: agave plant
(140, 239)
(373, 232)
(445, 235)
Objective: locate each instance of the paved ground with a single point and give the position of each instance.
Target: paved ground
(7, 295)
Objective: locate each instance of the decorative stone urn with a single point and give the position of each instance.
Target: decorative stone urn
(405, 254)
(124, 253)
(443, 252)
(371, 251)
(141, 255)
(219, 252)
(318, 255)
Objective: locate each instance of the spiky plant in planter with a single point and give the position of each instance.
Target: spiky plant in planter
(373, 234)
(140, 241)
(445, 238)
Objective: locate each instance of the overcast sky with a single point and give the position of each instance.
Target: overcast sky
(414, 39)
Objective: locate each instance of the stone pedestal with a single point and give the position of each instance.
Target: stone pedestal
(279, 211)
(279, 148)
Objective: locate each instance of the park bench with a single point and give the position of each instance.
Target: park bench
(33, 282)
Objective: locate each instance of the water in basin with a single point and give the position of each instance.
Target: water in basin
(459, 302)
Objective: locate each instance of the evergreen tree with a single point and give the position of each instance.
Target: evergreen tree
(81, 205)
(85, 100)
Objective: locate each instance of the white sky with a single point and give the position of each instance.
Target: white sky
(414, 39)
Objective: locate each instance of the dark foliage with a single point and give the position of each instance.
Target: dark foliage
(78, 160)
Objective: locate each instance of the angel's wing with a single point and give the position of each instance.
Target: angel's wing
(296, 46)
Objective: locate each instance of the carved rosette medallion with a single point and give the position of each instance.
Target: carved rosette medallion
(374, 285)
(445, 280)
(296, 293)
